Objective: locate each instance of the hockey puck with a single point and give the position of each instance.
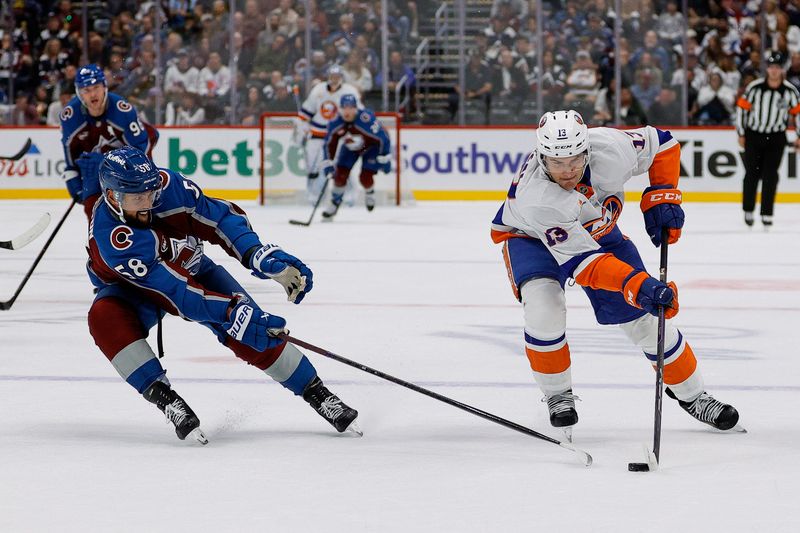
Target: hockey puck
(638, 467)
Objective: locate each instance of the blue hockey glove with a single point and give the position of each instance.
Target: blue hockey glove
(89, 163)
(248, 324)
(72, 179)
(327, 168)
(271, 262)
(661, 205)
(385, 162)
(646, 292)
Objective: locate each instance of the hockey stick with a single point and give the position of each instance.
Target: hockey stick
(26, 237)
(316, 205)
(19, 155)
(654, 457)
(585, 458)
(5, 306)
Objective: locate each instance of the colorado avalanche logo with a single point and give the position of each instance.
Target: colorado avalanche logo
(124, 106)
(164, 179)
(328, 110)
(66, 113)
(120, 237)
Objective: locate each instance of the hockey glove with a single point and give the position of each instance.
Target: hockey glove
(300, 132)
(89, 163)
(251, 326)
(72, 179)
(661, 205)
(327, 168)
(385, 162)
(270, 262)
(645, 292)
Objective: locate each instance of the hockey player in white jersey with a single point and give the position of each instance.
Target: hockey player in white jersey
(321, 106)
(559, 221)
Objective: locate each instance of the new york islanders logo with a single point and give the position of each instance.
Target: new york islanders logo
(328, 110)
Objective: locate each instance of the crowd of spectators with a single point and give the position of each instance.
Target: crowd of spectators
(724, 53)
(42, 45)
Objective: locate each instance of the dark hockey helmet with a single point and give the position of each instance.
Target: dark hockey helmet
(133, 178)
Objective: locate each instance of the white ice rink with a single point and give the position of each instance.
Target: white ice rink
(420, 293)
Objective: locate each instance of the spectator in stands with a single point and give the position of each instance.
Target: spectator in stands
(715, 102)
(793, 72)
(356, 73)
(600, 37)
(646, 88)
(287, 18)
(318, 70)
(272, 29)
(524, 56)
(276, 57)
(666, 110)
(275, 77)
(344, 36)
(9, 58)
(731, 76)
(23, 113)
(319, 23)
(630, 109)
(397, 70)
(283, 101)
(249, 110)
(187, 112)
(41, 101)
(508, 84)
(215, 78)
(141, 80)
(478, 88)
(582, 84)
(552, 82)
(181, 77)
(517, 9)
(51, 64)
(671, 25)
(253, 24)
(53, 30)
(659, 56)
(370, 56)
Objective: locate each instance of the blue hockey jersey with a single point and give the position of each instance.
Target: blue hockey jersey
(359, 136)
(159, 261)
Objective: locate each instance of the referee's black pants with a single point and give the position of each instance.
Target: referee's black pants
(762, 157)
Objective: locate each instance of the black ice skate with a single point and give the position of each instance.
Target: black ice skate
(562, 411)
(369, 199)
(331, 408)
(711, 411)
(749, 219)
(176, 410)
(333, 207)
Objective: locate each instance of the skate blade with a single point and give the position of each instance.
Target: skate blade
(567, 433)
(198, 435)
(354, 429)
(736, 429)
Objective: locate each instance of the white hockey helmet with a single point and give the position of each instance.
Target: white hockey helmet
(562, 134)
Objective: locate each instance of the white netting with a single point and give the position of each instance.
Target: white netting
(283, 167)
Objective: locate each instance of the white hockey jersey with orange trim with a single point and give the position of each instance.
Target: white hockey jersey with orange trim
(575, 225)
(322, 106)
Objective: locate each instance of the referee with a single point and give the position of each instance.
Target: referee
(762, 114)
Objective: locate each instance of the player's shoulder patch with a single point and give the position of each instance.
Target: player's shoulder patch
(120, 237)
(165, 178)
(67, 113)
(124, 106)
(366, 116)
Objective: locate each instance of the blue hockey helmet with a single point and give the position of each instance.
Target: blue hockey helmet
(89, 75)
(133, 178)
(348, 100)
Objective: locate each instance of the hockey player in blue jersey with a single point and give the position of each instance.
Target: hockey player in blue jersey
(94, 122)
(360, 135)
(146, 259)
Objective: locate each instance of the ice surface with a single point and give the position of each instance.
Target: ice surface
(420, 293)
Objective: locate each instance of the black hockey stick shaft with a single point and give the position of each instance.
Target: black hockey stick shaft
(662, 275)
(316, 205)
(21, 153)
(416, 388)
(5, 306)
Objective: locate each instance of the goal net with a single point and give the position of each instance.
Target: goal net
(282, 167)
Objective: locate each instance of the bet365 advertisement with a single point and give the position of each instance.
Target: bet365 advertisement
(436, 163)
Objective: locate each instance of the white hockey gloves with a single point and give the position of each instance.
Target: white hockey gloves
(271, 262)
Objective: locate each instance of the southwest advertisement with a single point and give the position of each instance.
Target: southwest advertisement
(436, 163)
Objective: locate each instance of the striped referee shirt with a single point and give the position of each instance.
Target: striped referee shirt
(766, 110)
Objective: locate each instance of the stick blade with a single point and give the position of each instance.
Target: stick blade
(650, 466)
(585, 458)
(28, 236)
(299, 223)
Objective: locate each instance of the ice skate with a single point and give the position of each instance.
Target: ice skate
(369, 199)
(766, 220)
(332, 208)
(711, 411)
(562, 411)
(749, 219)
(331, 408)
(176, 410)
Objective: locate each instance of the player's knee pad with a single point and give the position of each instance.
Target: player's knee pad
(545, 308)
(117, 331)
(340, 176)
(644, 333)
(367, 178)
(114, 324)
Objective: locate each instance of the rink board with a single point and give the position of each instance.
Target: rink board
(439, 163)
